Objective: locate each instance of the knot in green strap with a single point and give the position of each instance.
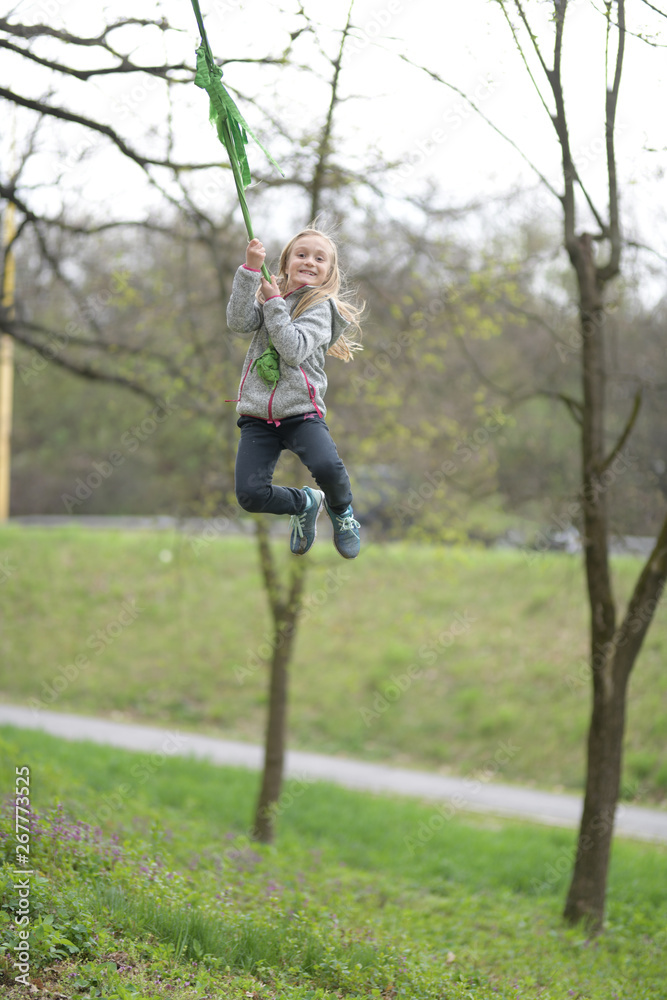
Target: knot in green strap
(231, 126)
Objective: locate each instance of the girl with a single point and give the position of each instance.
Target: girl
(295, 319)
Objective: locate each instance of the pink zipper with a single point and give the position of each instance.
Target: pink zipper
(241, 386)
(271, 420)
(311, 392)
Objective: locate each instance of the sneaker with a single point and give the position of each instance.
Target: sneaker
(345, 532)
(304, 525)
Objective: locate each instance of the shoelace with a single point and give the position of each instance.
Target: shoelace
(346, 522)
(297, 521)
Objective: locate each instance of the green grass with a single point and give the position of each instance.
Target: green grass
(420, 656)
(158, 892)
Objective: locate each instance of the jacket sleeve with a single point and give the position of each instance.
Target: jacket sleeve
(295, 340)
(244, 314)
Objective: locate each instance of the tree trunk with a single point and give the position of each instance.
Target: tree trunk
(587, 892)
(586, 895)
(285, 612)
(274, 749)
(593, 446)
(612, 665)
(613, 650)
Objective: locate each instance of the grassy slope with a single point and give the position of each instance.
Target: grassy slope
(191, 655)
(355, 900)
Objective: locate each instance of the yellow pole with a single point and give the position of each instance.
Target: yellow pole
(7, 363)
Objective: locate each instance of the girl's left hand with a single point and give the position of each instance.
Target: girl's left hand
(269, 289)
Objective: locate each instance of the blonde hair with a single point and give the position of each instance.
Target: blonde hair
(344, 348)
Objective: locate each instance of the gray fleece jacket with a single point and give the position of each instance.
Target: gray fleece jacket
(301, 344)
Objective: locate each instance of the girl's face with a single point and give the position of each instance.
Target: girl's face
(309, 262)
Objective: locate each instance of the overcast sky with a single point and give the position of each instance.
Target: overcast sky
(397, 109)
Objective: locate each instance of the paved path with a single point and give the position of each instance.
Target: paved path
(464, 794)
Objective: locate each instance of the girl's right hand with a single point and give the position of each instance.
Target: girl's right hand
(255, 255)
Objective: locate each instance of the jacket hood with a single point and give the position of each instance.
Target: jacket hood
(338, 323)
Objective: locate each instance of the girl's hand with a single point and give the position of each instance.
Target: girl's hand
(269, 289)
(255, 254)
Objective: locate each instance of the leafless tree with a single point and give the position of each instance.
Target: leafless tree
(596, 259)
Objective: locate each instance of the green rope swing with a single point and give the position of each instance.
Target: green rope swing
(233, 133)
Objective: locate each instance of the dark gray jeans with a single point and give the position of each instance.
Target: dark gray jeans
(260, 446)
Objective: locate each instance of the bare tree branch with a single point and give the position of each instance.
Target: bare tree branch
(102, 346)
(125, 66)
(481, 375)
(644, 601)
(38, 30)
(18, 332)
(560, 124)
(611, 269)
(656, 9)
(324, 145)
(478, 110)
(9, 193)
(538, 51)
(575, 408)
(572, 172)
(643, 246)
(61, 113)
(627, 430)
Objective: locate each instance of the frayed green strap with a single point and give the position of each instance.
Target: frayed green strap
(230, 125)
(228, 120)
(268, 366)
